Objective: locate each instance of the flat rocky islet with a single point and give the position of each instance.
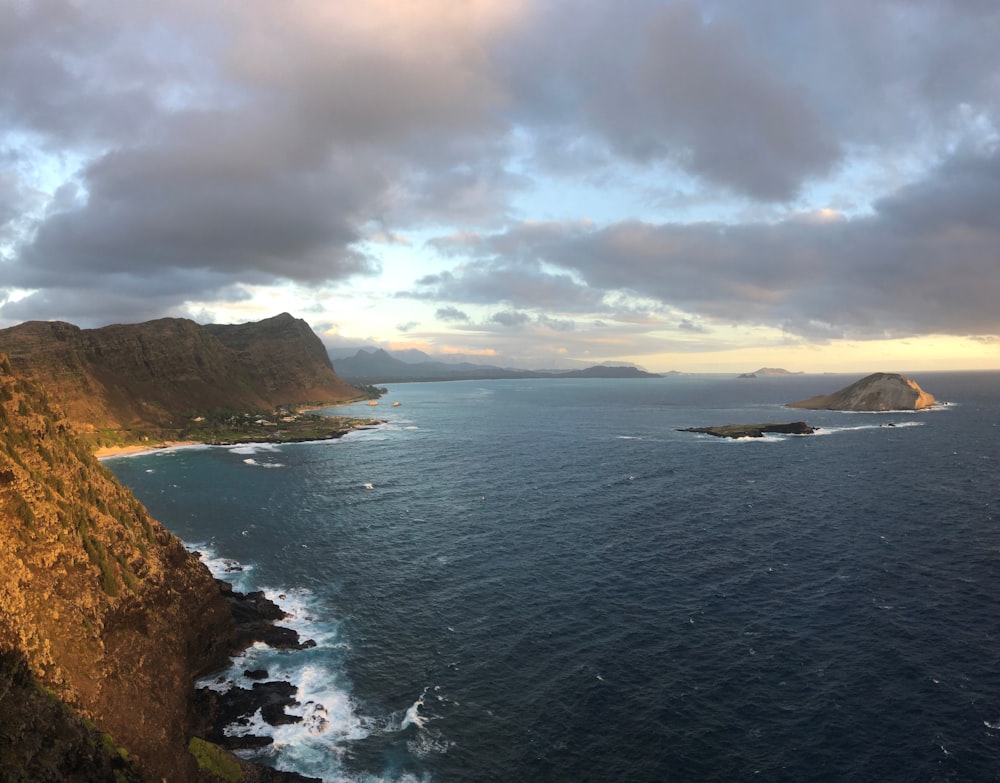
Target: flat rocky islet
(753, 430)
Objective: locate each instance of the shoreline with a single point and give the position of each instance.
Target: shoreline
(301, 427)
(135, 449)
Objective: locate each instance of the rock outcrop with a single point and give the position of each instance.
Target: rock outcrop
(151, 378)
(753, 430)
(881, 391)
(105, 617)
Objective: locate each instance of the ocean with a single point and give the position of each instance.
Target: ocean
(543, 580)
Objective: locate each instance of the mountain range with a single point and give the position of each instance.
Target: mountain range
(379, 366)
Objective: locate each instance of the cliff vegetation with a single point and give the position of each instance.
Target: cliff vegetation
(105, 618)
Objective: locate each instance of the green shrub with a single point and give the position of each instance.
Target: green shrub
(214, 759)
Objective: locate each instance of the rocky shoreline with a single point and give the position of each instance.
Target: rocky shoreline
(256, 618)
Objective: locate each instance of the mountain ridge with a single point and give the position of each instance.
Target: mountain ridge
(128, 381)
(380, 366)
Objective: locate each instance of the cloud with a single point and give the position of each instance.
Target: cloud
(923, 263)
(451, 314)
(157, 156)
(510, 318)
(503, 279)
(664, 83)
(226, 140)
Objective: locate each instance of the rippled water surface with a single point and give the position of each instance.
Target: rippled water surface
(546, 581)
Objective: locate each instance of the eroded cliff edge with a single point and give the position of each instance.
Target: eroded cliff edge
(105, 618)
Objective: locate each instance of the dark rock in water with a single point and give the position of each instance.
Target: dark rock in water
(250, 606)
(282, 638)
(238, 705)
(246, 742)
(276, 696)
(255, 674)
(881, 391)
(255, 614)
(754, 430)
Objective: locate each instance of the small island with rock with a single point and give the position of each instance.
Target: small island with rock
(768, 372)
(753, 430)
(881, 391)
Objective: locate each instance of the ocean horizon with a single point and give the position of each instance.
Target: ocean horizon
(546, 580)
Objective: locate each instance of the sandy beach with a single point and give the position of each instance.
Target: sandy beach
(118, 451)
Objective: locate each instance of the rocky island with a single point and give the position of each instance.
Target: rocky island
(881, 391)
(753, 430)
(768, 372)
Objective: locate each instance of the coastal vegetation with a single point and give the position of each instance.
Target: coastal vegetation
(226, 427)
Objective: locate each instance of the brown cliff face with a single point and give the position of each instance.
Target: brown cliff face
(99, 604)
(159, 374)
(881, 391)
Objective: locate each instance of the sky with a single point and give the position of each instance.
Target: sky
(703, 186)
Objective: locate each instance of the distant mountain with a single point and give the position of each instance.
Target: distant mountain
(881, 391)
(129, 377)
(768, 371)
(412, 356)
(607, 371)
(379, 366)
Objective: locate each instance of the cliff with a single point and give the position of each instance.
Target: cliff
(878, 392)
(129, 381)
(105, 618)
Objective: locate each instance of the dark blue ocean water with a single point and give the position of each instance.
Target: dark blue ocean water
(545, 581)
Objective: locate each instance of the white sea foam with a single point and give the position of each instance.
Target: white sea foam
(828, 430)
(251, 461)
(237, 574)
(413, 716)
(329, 716)
(254, 448)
